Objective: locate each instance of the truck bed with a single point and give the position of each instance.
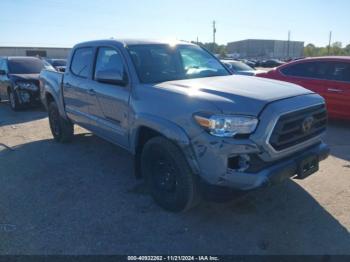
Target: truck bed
(50, 82)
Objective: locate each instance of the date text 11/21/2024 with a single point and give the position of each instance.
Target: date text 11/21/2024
(173, 258)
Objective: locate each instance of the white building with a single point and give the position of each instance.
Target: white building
(260, 48)
(49, 52)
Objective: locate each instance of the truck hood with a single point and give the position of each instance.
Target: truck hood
(30, 77)
(236, 94)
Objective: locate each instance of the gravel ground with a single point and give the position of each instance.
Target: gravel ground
(82, 198)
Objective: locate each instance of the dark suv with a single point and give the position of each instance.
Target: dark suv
(19, 80)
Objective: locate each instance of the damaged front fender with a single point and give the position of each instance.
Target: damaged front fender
(213, 154)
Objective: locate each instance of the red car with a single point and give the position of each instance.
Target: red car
(327, 76)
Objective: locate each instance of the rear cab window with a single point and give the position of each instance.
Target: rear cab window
(82, 61)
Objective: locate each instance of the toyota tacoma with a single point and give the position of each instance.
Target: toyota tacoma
(186, 120)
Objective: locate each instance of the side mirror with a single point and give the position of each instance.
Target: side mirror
(115, 77)
(2, 72)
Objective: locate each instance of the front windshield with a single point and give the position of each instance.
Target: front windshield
(25, 65)
(239, 66)
(157, 63)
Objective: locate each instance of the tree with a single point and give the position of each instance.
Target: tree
(310, 50)
(335, 49)
(214, 48)
(347, 49)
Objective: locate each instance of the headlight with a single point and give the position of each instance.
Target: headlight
(27, 85)
(227, 125)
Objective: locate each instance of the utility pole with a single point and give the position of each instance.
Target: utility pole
(197, 40)
(329, 43)
(214, 34)
(288, 46)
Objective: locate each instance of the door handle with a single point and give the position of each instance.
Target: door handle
(91, 92)
(335, 90)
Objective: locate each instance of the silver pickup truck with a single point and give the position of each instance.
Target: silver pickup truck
(185, 118)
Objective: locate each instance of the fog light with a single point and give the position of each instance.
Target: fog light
(238, 163)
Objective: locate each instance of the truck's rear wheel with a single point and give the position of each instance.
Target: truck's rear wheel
(172, 183)
(61, 129)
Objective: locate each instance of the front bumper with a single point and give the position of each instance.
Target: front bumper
(27, 97)
(246, 163)
(275, 173)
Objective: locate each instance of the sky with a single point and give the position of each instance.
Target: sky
(63, 23)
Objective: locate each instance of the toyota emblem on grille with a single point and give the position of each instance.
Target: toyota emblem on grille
(307, 124)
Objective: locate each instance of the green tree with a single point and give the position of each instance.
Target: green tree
(310, 50)
(347, 49)
(335, 49)
(214, 48)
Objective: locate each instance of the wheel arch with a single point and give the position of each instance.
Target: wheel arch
(48, 99)
(52, 97)
(147, 127)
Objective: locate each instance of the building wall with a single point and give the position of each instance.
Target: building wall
(255, 48)
(33, 51)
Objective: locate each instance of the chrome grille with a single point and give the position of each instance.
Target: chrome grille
(299, 126)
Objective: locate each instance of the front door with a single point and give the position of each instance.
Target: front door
(111, 109)
(337, 86)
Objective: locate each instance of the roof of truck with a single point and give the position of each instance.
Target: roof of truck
(126, 42)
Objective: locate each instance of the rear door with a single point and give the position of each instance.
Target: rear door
(112, 108)
(76, 83)
(337, 86)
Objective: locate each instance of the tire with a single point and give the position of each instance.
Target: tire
(169, 178)
(61, 129)
(13, 100)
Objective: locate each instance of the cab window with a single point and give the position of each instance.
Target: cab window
(81, 62)
(109, 60)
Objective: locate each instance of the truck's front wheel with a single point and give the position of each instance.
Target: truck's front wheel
(13, 99)
(171, 182)
(61, 129)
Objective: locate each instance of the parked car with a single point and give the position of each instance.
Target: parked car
(271, 63)
(48, 66)
(247, 62)
(254, 63)
(19, 80)
(58, 64)
(327, 76)
(185, 118)
(239, 68)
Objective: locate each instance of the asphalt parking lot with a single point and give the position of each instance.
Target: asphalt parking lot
(81, 198)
